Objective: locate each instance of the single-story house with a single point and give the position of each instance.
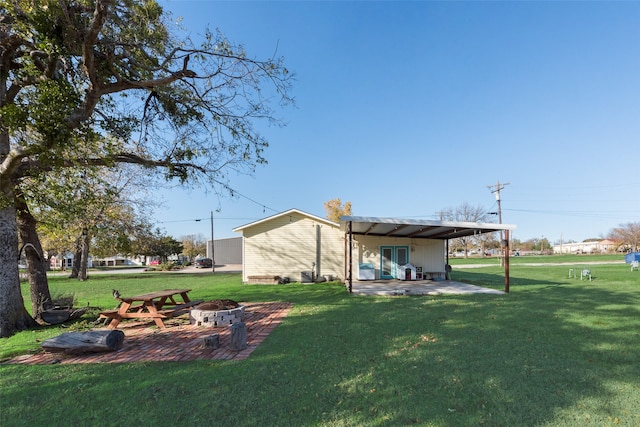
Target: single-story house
(304, 247)
(61, 261)
(292, 245)
(112, 261)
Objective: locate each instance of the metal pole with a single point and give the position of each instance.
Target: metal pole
(350, 257)
(213, 255)
(506, 262)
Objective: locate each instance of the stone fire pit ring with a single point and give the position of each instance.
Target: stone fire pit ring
(211, 314)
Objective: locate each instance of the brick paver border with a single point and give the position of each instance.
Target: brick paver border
(180, 341)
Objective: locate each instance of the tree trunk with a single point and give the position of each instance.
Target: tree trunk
(75, 270)
(81, 257)
(84, 259)
(36, 262)
(13, 315)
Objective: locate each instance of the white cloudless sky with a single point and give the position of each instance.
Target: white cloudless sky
(406, 109)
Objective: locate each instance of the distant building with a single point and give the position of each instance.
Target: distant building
(226, 251)
(596, 247)
(61, 261)
(112, 261)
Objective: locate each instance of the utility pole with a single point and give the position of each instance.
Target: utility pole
(441, 215)
(213, 244)
(495, 189)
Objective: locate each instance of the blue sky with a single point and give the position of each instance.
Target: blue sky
(406, 109)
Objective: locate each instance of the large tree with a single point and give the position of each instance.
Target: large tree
(628, 235)
(89, 209)
(154, 242)
(194, 245)
(465, 213)
(103, 82)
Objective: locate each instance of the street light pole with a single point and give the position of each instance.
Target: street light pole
(213, 257)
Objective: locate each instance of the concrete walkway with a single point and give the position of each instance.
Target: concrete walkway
(422, 287)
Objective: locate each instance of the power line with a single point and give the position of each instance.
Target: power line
(234, 192)
(202, 219)
(585, 214)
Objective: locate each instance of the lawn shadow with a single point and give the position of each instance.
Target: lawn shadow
(563, 354)
(516, 359)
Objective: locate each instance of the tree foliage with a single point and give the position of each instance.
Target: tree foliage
(194, 245)
(102, 203)
(88, 83)
(150, 242)
(335, 209)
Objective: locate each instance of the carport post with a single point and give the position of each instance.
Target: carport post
(350, 257)
(506, 261)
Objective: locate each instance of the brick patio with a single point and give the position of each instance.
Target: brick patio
(179, 341)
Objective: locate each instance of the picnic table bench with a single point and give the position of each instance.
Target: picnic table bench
(156, 305)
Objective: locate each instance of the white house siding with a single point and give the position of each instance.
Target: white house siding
(288, 244)
(425, 253)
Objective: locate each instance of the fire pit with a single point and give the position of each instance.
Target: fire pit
(216, 313)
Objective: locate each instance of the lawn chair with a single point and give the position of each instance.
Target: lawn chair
(636, 265)
(585, 273)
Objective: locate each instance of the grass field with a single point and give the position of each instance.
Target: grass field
(554, 352)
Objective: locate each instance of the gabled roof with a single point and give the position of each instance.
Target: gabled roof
(417, 228)
(285, 213)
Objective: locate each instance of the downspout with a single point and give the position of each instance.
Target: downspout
(318, 252)
(345, 259)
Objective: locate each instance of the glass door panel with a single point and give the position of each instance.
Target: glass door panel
(386, 262)
(402, 256)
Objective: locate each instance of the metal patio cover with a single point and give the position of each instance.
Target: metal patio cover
(417, 228)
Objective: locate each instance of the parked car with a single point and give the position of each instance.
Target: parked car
(154, 262)
(204, 263)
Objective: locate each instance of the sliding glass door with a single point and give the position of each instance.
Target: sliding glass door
(391, 259)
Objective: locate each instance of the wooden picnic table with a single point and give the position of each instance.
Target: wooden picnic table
(156, 305)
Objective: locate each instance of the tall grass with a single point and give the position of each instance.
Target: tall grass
(554, 352)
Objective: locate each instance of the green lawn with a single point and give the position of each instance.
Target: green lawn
(538, 259)
(554, 352)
